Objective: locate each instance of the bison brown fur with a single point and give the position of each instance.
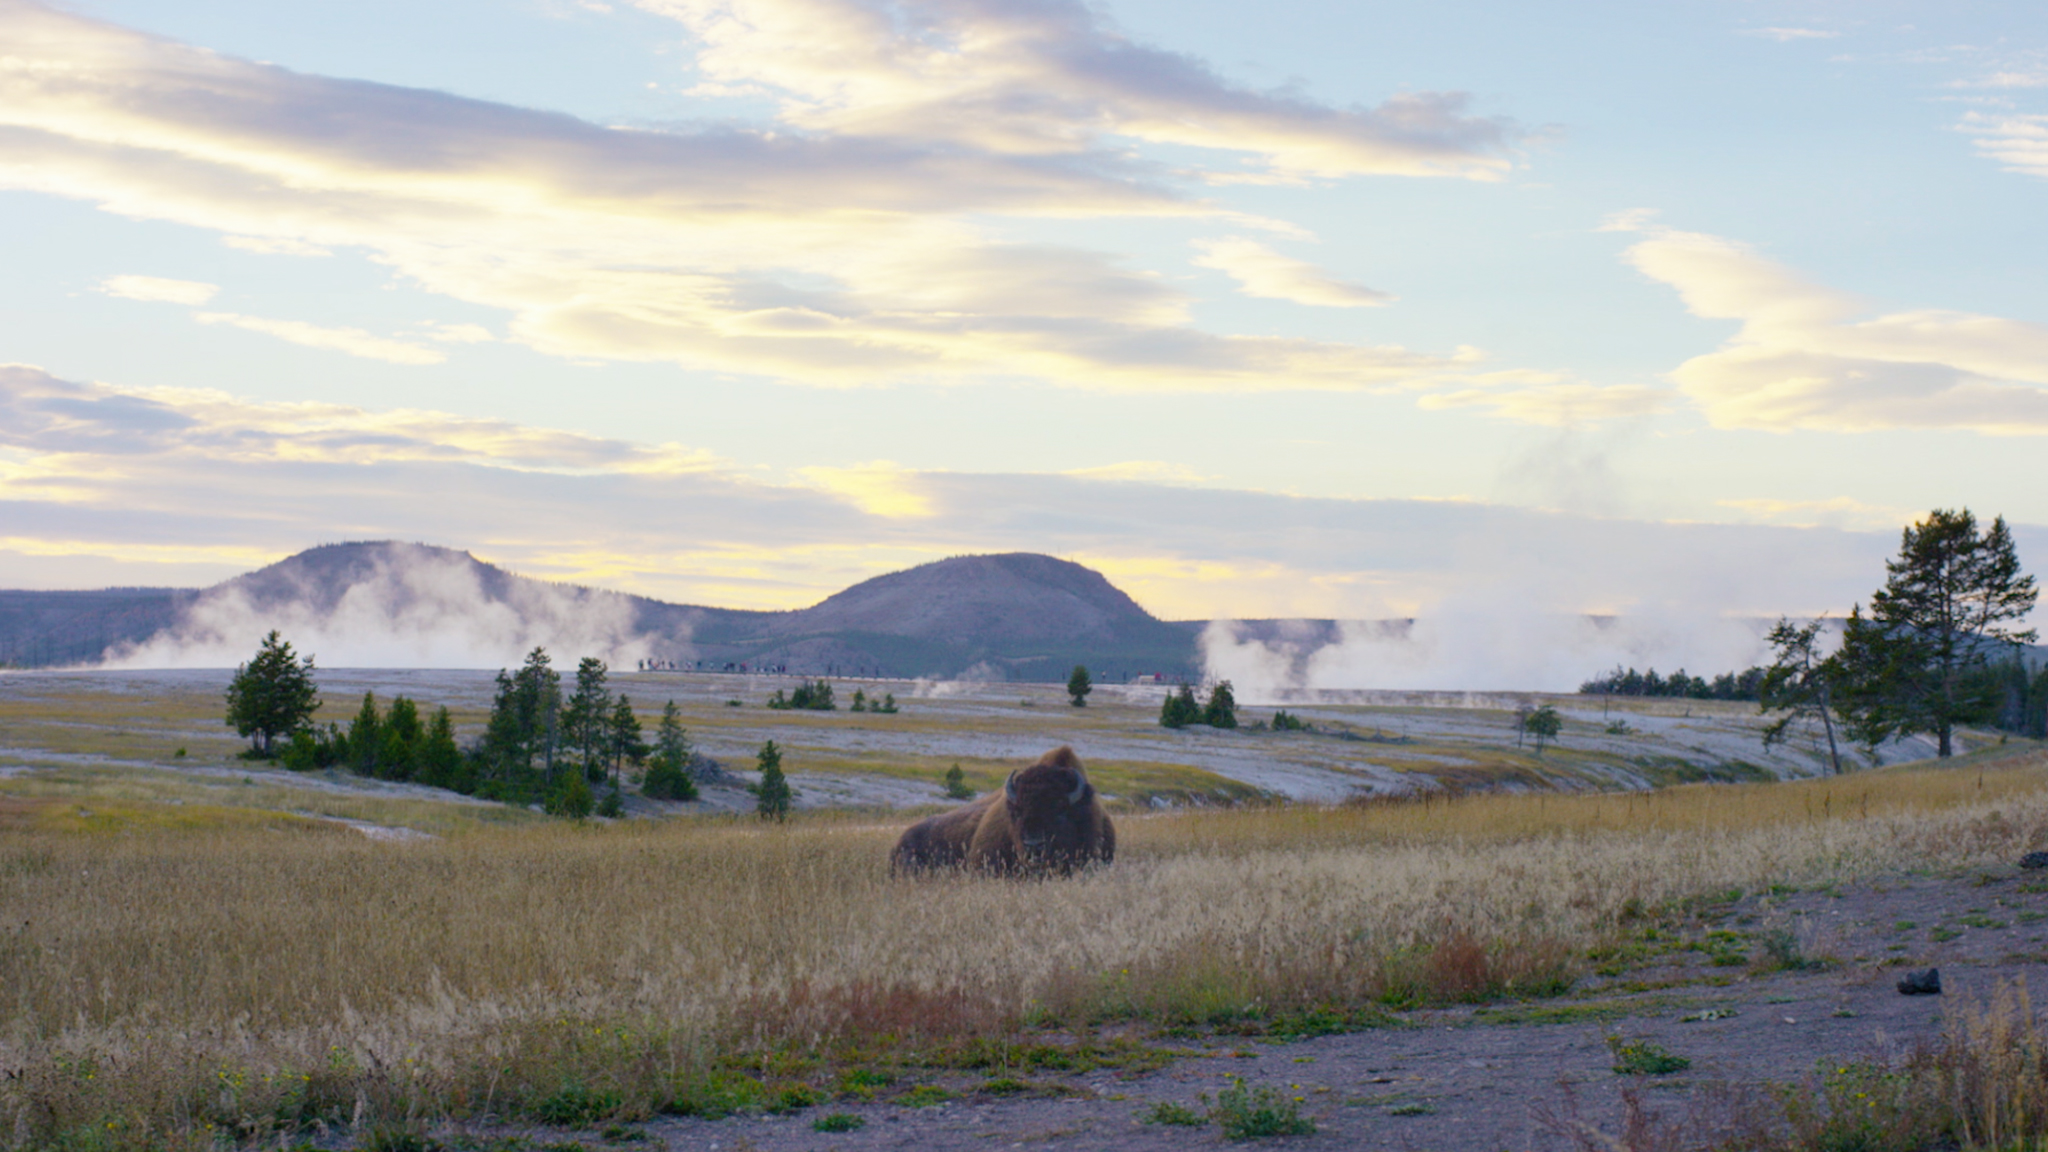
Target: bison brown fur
(1045, 818)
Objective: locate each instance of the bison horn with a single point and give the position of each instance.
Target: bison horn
(1080, 789)
(1010, 786)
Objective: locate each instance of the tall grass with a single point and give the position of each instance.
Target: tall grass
(169, 984)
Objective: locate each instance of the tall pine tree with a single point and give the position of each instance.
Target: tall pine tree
(1947, 608)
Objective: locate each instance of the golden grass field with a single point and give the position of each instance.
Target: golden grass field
(191, 962)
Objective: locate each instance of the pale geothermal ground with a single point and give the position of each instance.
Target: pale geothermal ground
(99, 727)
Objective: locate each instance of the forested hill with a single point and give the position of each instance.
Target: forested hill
(1016, 616)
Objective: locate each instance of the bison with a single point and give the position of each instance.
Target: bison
(1046, 819)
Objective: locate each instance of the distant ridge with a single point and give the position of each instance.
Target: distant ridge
(1012, 616)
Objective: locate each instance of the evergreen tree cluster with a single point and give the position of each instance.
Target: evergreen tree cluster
(538, 747)
(1741, 685)
(1284, 721)
(811, 695)
(861, 703)
(388, 744)
(1180, 708)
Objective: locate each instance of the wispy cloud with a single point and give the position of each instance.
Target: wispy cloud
(1811, 357)
(353, 341)
(157, 289)
(2019, 142)
(1260, 271)
(1046, 78)
(711, 247)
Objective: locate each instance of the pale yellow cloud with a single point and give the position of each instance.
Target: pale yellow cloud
(47, 422)
(157, 289)
(879, 488)
(1809, 356)
(711, 250)
(1048, 80)
(1260, 271)
(353, 341)
(1838, 512)
(143, 553)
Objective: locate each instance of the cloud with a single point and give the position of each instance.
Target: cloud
(1552, 403)
(61, 423)
(880, 488)
(1049, 78)
(712, 247)
(2019, 142)
(1260, 271)
(1838, 512)
(156, 289)
(1811, 357)
(180, 475)
(353, 341)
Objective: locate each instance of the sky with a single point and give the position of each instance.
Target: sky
(1293, 309)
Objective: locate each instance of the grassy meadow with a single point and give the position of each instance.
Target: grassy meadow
(188, 969)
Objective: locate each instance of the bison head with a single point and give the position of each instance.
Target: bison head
(1049, 805)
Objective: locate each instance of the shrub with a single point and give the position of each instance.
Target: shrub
(571, 798)
(1643, 1058)
(839, 1122)
(1248, 1113)
(573, 1105)
(1177, 1115)
(925, 1096)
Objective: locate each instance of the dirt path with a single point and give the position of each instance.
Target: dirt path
(1483, 1079)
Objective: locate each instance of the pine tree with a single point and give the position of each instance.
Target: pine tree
(272, 695)
(1079, 685)
(524, 725)
(1180, 709)
(624, 740)
(956, 784)
(1948, 607)
(1221, 710)
(1799, 684)
(399, 757)
(668, 775)
(586, 718)
(366, 737)
(772, 796)
(439, 762)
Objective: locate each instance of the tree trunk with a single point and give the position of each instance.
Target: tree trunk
(1827, 724)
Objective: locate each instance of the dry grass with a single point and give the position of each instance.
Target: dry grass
(166, 977)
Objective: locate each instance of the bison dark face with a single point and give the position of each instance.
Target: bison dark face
(1052, 808)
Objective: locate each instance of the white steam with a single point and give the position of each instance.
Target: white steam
(417, 609)
(1473, 648)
